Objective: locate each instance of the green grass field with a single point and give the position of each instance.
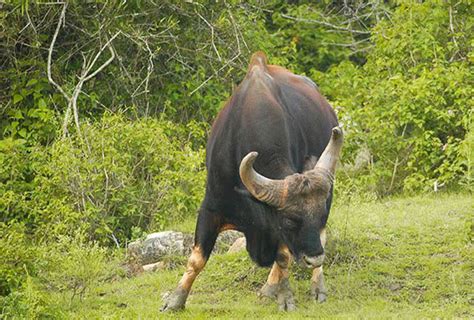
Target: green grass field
(398, 258)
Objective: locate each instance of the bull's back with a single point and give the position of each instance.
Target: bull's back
(280, 115)
(276, 113)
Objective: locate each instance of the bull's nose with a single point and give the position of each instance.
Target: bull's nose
(315, 261)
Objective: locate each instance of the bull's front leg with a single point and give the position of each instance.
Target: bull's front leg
(278, 285)
(318, 288)
(206, 233)
(177, 299)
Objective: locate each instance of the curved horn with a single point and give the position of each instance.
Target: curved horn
(264, 189)
(330, 155)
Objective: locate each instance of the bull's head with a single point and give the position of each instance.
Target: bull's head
(300, 200)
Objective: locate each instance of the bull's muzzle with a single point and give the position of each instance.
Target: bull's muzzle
(313, 262)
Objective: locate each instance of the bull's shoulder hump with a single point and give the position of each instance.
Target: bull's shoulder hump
(258, 67)
(259, 60)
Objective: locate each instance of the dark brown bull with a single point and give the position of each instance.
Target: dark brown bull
(265, 180)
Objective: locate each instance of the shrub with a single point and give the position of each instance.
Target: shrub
(128, 174)
(17, 257)
(409, 104)
(123, 174)
(75, 265)
(29, 302)
(71, 265)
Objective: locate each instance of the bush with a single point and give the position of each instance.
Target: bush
(75, 265)
(120, 179)
(410, 104)
(71, 265)
(467, 151)
(122, 174)
(17, 257)
(29, 302)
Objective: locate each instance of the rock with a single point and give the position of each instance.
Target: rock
(160, 244)
(238, 245)
(154, 266)
(225, 240)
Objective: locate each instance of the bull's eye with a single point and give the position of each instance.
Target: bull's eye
(290, 223)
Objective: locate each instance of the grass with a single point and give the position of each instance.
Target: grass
(398, 258)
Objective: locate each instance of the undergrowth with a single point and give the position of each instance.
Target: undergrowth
(400, 257)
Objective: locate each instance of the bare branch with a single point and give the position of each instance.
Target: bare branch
(212, 35)
(67, 115)
(85, 75)
(451, 27)
(235, 30)
(352, 44)
(212, 76)
(106, 63)
(31, 24)
(50, 53)
(75, 95)
(148, 74)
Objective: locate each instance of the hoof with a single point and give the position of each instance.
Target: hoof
(268, 290)
(285, 299)
(319, 295)
(286, 302)
(175, 301)
(287, 306)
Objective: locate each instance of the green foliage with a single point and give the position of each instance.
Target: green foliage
(132, 174)
(398, 73)
(70, 265)
(164, 51)
(467, 152)
(123, 174)
(31, 116)
(17, 255)
(410, 260)
(410, 103)
(19, 166)
(76, 265)
(30, 302)
(307, 46)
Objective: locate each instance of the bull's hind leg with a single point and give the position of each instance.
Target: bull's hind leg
(318, 288)
(278, 285)
(207, 230)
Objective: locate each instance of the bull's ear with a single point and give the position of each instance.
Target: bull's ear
(272, 192)
(328, 159)
(243, 192)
